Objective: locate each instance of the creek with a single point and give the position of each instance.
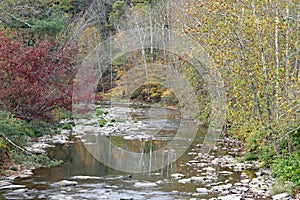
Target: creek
(152, 128)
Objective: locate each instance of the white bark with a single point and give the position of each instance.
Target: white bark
(277, 61)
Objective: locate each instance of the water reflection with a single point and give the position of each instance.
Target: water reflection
(151, 153)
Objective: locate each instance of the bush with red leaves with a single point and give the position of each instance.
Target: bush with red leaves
(35, 79)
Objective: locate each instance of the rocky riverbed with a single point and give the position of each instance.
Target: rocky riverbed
(219, 175)
(253, 182)
(35, 147)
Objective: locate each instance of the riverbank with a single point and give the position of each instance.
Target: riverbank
(35, 147)
(222, 174)
(223, 161)
(255, 182)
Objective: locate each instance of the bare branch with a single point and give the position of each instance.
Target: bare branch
(15, 18)
(12, 143)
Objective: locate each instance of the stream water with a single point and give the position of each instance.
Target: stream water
(98, 181)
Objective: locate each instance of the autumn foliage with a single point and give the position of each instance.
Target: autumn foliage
(35, 79)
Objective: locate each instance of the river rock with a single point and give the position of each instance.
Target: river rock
(245, 181)
(270, 182)
(244, 175)
(4, 183)
(231, 197)
(260, 191)
(60, 139)
(264, 172)
(177, 176)
(184, 181)
(225, 192)
(26, 173)
(239, 167)
(255, 181)
(86, 177)
(60, 197)
(12, 187)
(19, 191)
(201, 155)
(221, 188)
(210, 178)
(66, 183)
(226, 173)
(144, 184)
(35, 150)
(242, 189)
(128, 137)
(209, 169)
(235, 191)
(65, 131)
(202, 190)
(197, 179)
(215, 161)
(194, 161)
(41, 145)
(215, 184)
(201, 165)
(281, 196)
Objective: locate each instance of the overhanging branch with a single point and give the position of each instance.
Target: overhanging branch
(16, 19)
(12, 143)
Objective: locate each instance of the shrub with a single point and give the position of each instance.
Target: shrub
(40, 128)
(287, 168)
(100, 115)
(14, 168)
(15, 129)
(60, 113)
(249, 157)
(281, 187)
(66, 126)
(266, 156)
(41, 160)
(3, 172)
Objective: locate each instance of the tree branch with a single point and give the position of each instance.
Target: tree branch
(12, 143)
(285, 135)
(17, 19)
